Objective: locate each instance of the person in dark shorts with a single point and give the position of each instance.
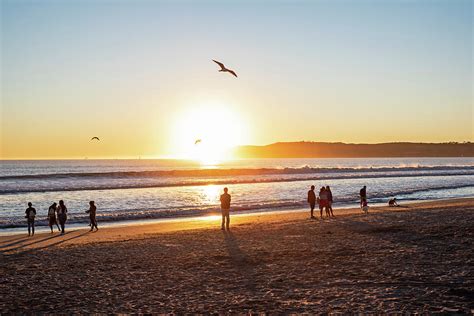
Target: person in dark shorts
(329, 207)
(52, 217)
(225, 208)
(92, 212)
(312, 200)
(62, 216)
(30, 215)
(363, 196)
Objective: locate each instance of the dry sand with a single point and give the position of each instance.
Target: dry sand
(417, 258)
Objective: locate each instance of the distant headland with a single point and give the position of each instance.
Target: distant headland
(305, 149)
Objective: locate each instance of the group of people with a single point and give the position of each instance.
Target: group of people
(57, 215)
(324, 201)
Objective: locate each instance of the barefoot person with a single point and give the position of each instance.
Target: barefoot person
(323, 200)
(30, 217)
(329, 193)
(393, 202)
(312, 200)
(92, 212)
(52, 217)
(363, 196)
(225, 208)
(62, 215)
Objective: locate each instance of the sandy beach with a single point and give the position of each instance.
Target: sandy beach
(414, 258)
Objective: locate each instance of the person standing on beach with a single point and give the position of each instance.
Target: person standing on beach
(62, 215)
(312, 200)
(30, 217)
(363, 196)
(52, 217)
(329, 193)
(92, 212)
(323, 200)
(225, 208)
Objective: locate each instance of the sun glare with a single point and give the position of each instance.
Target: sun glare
(207, 133)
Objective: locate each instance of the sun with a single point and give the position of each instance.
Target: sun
(218, 128)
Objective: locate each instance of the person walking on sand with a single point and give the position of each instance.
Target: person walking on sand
(62, 215)
(323, 200)
(52, 217)
(363, 196)
(329, 193)
(225, 209)
(30, 217)
(92, 212)
(312, 200)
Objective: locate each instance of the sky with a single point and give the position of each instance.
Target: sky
(139, 75)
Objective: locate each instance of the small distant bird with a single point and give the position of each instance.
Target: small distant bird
(224, 69)
(96, 138)
(197, 141)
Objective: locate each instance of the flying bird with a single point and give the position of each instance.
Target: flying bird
(96, 138)
(224, 69)
(197, 141)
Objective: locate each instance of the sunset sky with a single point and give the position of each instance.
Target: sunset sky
(139, 75)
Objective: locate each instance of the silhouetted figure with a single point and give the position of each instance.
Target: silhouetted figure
(323, 201)
(312, 200)
(363, 196)
(225, 208)
(52, 220)
(223, 68)
(92, 212)
(329, 193)
(30, 215)
(393, 202)
(62, 215)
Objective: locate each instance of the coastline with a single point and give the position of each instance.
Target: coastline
(412, 259)
(115, 231)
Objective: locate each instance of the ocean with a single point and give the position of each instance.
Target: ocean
(127, 190)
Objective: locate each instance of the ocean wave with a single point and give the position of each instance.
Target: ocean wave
(77, 186)
(233, 172)
(162, 213)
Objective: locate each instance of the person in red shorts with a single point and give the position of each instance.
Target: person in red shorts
(323, 201)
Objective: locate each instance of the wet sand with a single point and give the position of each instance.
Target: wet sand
(415, 258)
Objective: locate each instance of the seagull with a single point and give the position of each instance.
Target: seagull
(97, 138)
(223, 69)
(197, 141)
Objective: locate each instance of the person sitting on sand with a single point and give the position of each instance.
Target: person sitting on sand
(225, 209)
(62, 216)
(329, 207)
(312, 200)
(52, 217)
(363, 196)
(323, 201)
(393, 202)
(30, 217)
(92, 212)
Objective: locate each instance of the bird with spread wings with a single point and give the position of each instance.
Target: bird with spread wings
(224, 69)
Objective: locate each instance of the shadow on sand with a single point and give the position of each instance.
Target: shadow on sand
(6, 250)
(242, 263)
